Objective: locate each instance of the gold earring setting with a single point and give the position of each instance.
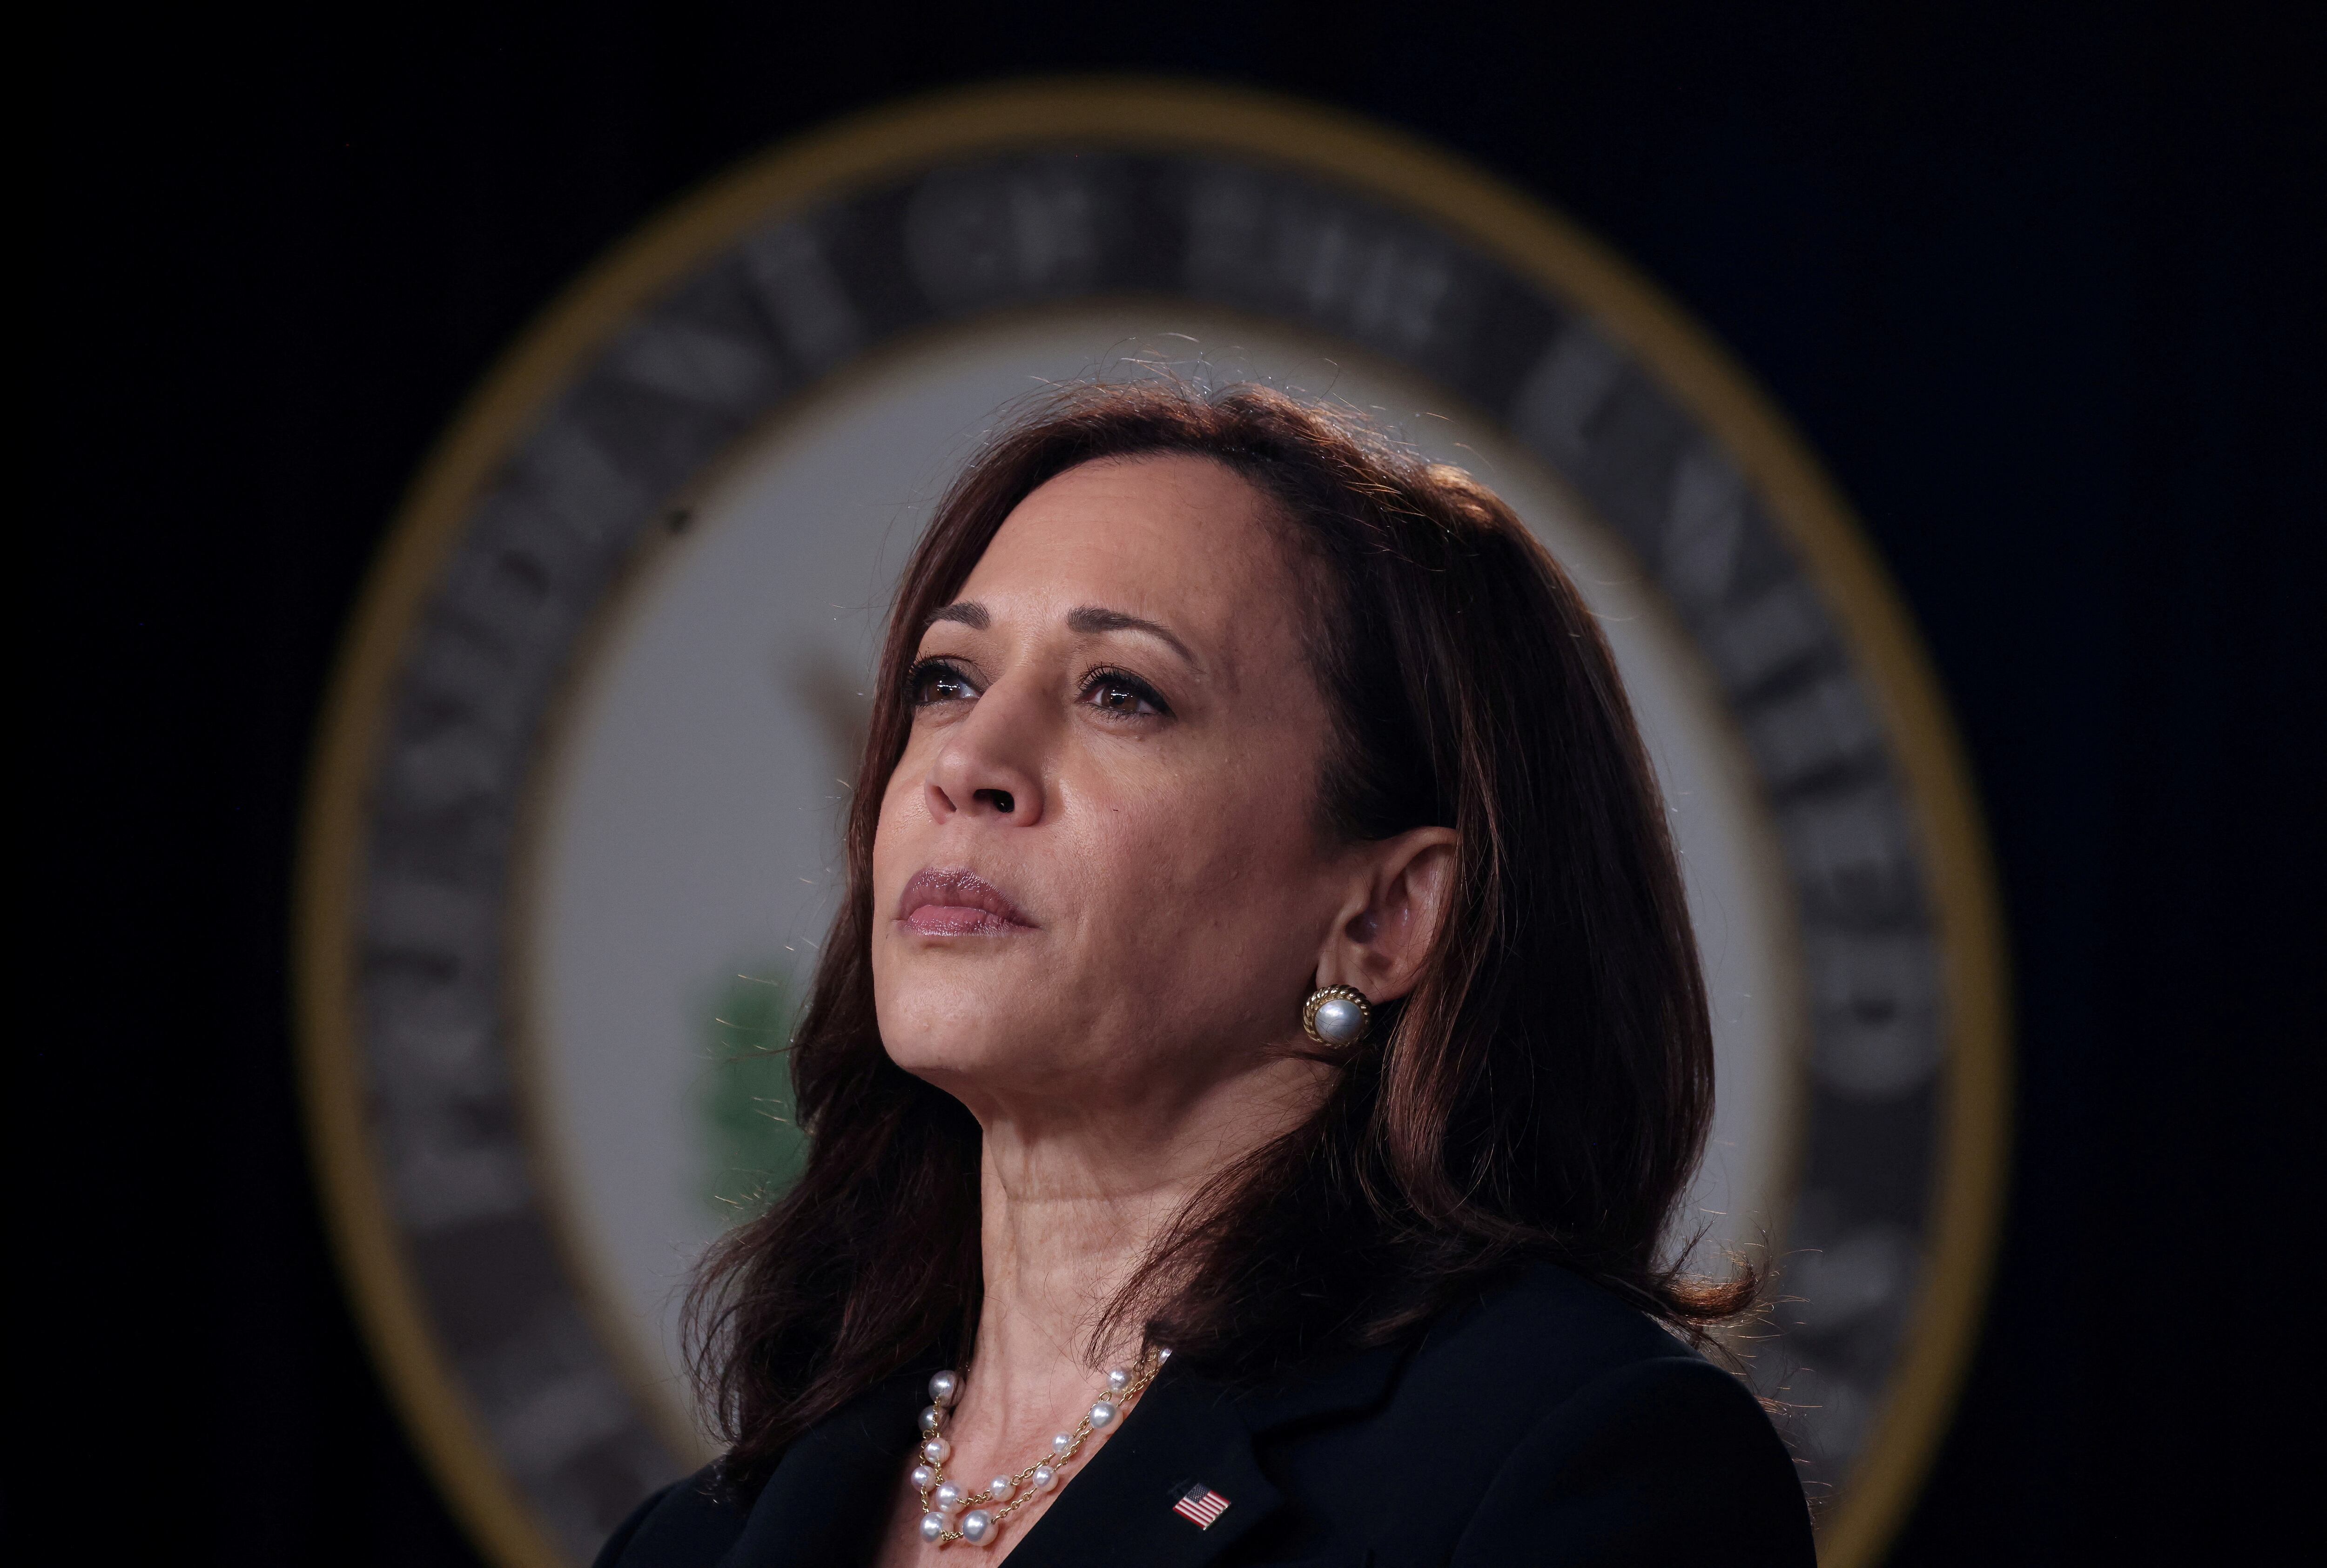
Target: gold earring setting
(1337, 1015)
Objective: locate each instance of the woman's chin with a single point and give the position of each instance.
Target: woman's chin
(958, 1048)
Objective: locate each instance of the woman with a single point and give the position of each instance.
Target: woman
(1255, 1064)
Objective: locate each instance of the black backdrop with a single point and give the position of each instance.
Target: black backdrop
(2041, 288)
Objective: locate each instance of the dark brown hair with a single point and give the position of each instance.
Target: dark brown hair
(1543, 1093)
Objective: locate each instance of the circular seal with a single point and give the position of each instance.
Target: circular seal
(569, 840)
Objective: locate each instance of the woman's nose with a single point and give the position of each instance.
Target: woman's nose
(989, 765)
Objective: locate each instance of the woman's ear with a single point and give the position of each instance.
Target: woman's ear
(1393, 914)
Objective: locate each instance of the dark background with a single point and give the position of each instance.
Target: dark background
(2042, 285)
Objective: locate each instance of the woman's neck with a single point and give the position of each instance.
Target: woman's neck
(1068, 1211)
(1059, 1243)
(1072, 1200)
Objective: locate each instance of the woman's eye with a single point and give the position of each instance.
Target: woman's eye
(936, 681)
(1114, 693)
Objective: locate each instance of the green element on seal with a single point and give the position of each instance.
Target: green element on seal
(753, 1147)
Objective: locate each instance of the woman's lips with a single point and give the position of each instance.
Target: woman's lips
(953, 903)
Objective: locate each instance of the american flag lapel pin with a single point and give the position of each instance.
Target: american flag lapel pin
(1202, 1504)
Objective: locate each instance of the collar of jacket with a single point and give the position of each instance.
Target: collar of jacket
(1184, 1431)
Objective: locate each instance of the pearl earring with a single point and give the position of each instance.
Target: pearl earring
(1337, 1015)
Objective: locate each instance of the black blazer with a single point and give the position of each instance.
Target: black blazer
(1546, 1424)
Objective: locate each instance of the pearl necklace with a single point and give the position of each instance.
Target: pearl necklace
(981, 1525)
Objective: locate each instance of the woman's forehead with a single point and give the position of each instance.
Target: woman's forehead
(1181, 540)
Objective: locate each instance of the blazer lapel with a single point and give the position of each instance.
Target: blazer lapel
(1187, 1433)
(1183, 1431)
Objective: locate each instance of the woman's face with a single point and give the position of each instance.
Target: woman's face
(1098, 879)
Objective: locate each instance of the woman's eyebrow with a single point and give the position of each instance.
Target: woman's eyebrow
(969, 612)
(1091, 618)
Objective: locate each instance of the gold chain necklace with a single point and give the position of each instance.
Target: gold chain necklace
(981, 1513)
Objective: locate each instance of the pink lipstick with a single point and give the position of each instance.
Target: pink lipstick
(954, 902)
